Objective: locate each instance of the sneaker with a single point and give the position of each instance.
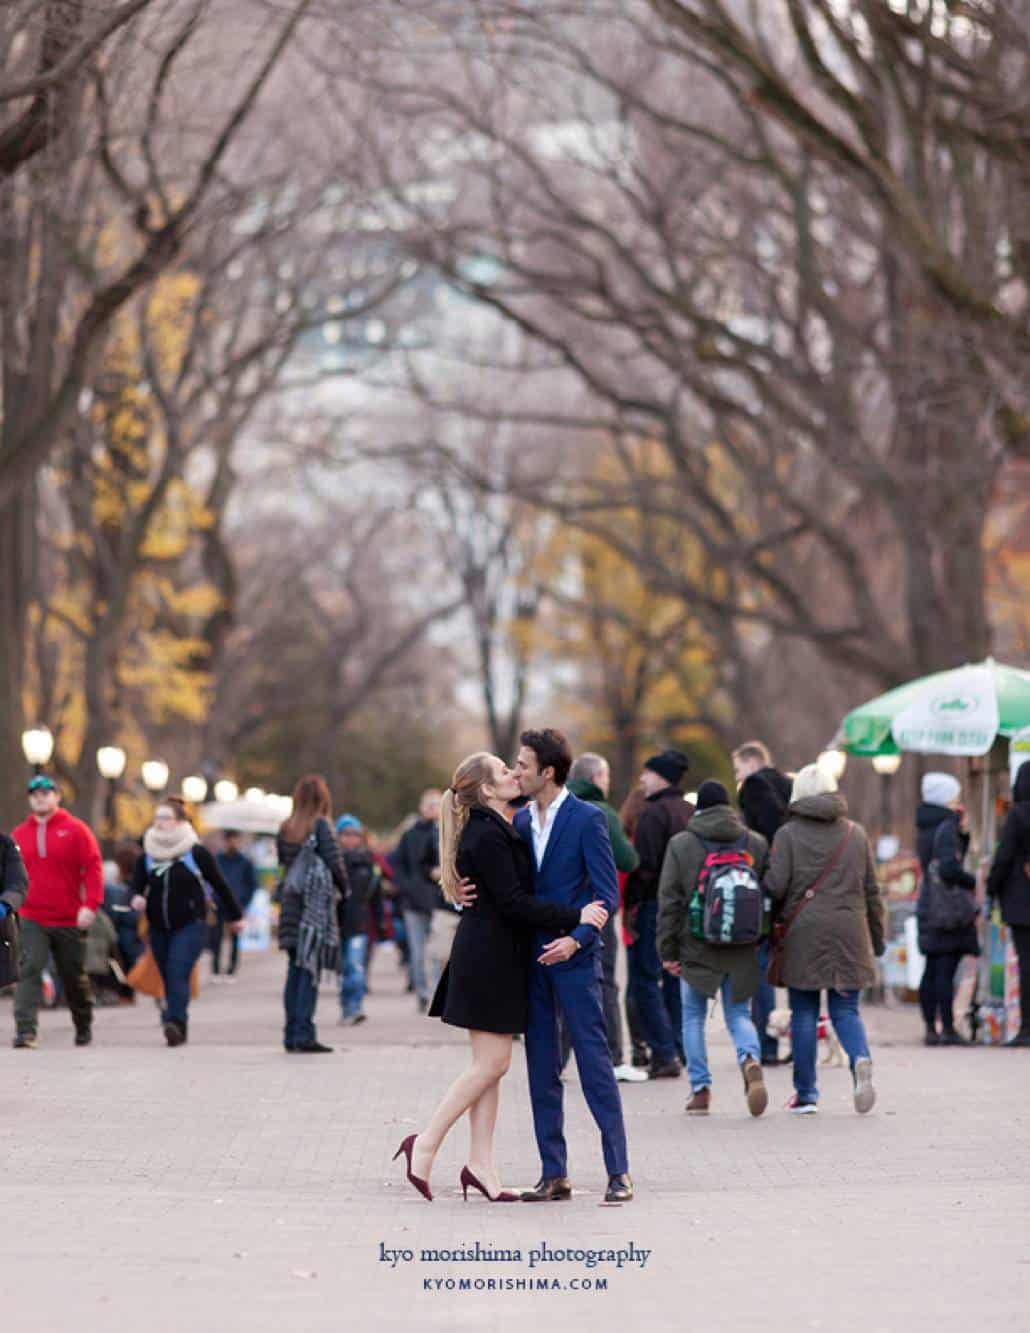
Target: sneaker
(627, 1074)
(358, 1019)
(865, 1093)
(754, 1086)
(26, 1041)
(931, 1037)
(230, 980)
(174, 1033)
(84, 1036)
(796, 1107)
(641, 1057)
(950, 1037)
(215, 978)
(700, 1102)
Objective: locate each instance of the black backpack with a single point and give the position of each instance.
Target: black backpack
(728, 906)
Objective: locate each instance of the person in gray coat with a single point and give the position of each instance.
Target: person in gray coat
(704, 969)
(822, 879)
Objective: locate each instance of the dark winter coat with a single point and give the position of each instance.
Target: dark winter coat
(418, 852)
(178, 898)
(626, 857)
(705, 966)
(485, 985)
(938, 838)
(292, 903)
(1009, 882)
(14, 879)
(764, 801)
(664, 815)
(833, 939)
(363, 878)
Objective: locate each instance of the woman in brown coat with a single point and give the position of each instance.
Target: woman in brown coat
(822, 882)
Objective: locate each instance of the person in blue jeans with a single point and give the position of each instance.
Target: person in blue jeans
(172, 882)
(822, 882)
(363, 878)
(704, 969)
(664, 814)
(309, 920)
(804, 1031)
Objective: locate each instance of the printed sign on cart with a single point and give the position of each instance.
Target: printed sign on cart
(959, 717)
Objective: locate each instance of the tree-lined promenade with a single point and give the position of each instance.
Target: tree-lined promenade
(454, 335)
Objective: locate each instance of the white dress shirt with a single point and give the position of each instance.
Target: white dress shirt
(542, 830)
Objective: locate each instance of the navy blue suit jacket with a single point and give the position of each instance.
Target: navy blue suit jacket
(578, 866)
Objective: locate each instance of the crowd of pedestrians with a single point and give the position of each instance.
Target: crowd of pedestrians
(784, 842)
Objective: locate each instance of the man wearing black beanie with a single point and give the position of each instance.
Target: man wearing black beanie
(665, 814)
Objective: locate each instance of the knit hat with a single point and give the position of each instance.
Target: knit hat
(670, 765)
(348, 824)
(940, 788)
(813, 780)
(711, 793)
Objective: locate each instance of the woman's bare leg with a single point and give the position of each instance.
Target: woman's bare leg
(482, 1122)
(491, 1056)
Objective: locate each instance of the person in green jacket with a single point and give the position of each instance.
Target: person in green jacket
(590, 779)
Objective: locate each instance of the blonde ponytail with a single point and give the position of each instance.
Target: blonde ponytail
(453, 818)
(464, 792)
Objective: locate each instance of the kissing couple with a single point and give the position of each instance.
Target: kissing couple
(536, 892)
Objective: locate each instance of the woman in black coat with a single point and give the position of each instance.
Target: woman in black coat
(1009, 885)
(485, 985)
(941, 837)
(172, 883)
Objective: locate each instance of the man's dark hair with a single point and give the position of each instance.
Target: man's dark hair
(552, 750)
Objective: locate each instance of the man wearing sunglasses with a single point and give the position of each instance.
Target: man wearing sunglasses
(66, 888)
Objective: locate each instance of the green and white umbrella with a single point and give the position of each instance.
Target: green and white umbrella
(957, 712)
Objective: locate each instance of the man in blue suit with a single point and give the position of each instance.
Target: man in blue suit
(572, 854)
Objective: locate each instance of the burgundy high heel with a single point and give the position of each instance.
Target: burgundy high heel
(467, 1179)
(421, 1185)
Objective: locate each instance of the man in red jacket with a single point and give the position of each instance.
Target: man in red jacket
(66, 888)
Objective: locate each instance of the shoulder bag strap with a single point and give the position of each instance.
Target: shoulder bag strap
(810, 892)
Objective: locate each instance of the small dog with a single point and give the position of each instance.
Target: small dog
(778, 1026)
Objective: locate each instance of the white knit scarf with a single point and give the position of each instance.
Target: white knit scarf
(163, 845)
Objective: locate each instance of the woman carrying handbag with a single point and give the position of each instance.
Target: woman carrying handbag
(822, 882)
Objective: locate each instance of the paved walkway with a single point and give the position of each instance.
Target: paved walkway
(228, 1186)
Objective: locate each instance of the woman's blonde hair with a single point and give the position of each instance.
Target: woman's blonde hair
(465, 791)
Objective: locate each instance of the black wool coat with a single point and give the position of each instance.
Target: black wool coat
(938, 838)
(485, 985)
(1009, 882)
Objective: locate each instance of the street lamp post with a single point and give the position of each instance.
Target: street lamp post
(111, 766)
(37, 746)
(886, 765)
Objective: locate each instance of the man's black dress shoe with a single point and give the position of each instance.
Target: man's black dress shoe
(620, 1190)
(670, 1069)
(310, 1048)
(548, 1190)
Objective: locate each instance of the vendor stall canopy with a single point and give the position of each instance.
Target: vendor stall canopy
(957, 712)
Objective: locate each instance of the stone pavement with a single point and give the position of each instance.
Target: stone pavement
(228, 1186)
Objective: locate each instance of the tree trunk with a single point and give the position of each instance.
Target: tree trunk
(16, 582)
